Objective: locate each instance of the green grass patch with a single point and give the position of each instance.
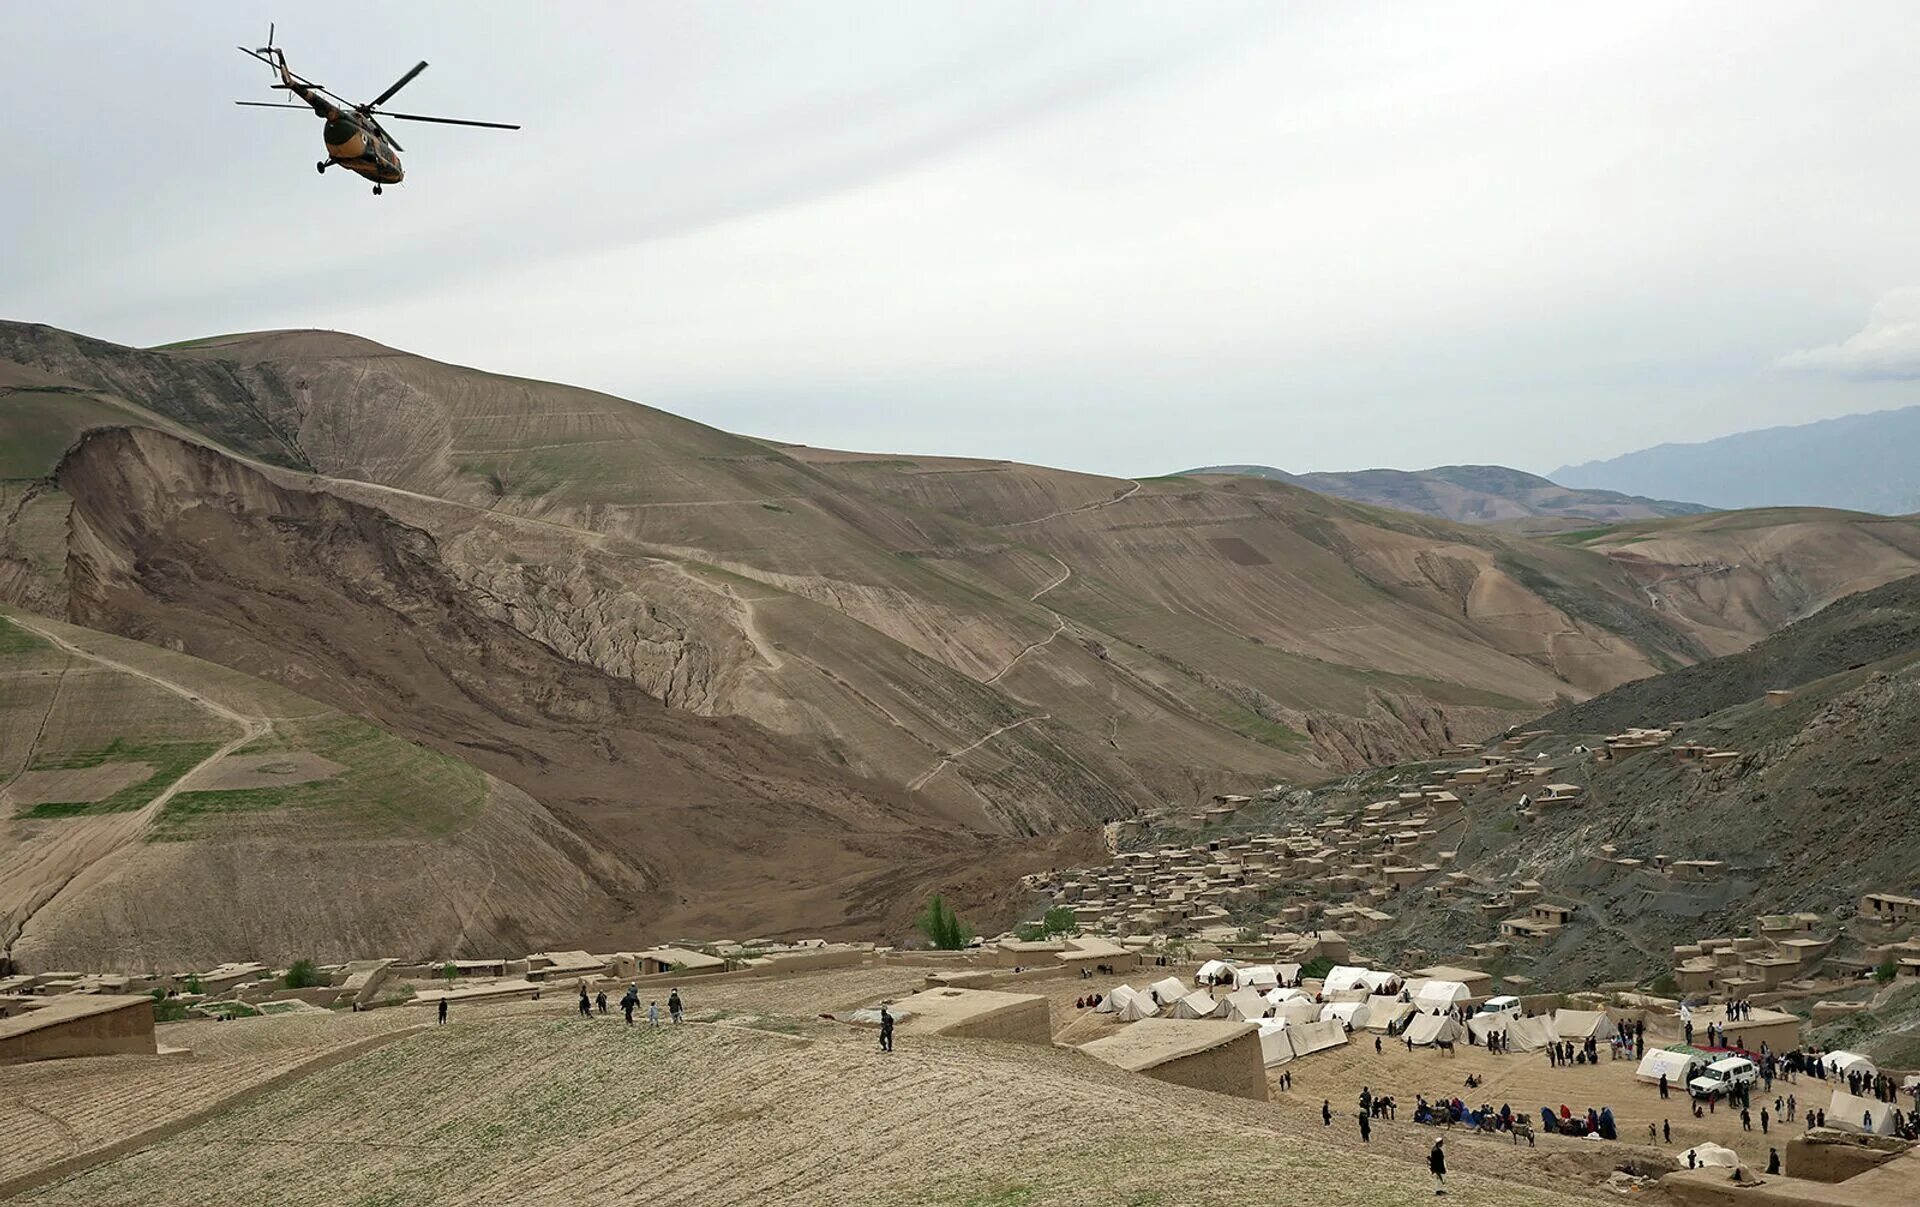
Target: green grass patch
(170, 761)
(1583, 535)
(391, 787)
(16, 640)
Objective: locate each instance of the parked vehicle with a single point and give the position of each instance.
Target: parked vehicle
(1724, 1076)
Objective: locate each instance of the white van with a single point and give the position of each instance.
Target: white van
(1723, 1076)
(1509, 1006)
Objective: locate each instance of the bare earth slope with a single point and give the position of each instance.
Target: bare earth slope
(791, 687)
(125, 842)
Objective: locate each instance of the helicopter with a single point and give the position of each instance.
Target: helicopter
(354, 136)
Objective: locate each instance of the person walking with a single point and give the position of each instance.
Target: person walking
(1366, 1128)
(674, 1006)
(886, 1028)
(1663, 1085)
(443, 1008)
(1765, 1119)
(1326, 1113)
(1666, 1130)
(600, 1001)
(653, 1014)
(629, 1002)
(586, 1003)
(1376, 1045)
(1773, 1161)
(1437, 1164)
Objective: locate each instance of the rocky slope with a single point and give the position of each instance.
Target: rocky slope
(1471, 494)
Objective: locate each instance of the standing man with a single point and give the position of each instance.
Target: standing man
(629, 1002)
(1663, 1085)
(653, 1014)
(1366, 1128)
(1326, 1113)
(586, 1003)
(1437, 1163)
(443, 1008)
(886, 1028)
(674, 1007)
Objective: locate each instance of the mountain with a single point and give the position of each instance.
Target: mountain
(1471, 494)
(788, 690)
(1865, 462)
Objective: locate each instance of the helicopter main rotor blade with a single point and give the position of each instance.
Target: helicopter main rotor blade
(398, 84)
(275, 105)
(447, 121)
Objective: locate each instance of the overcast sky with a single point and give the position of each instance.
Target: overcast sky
(1119, 237)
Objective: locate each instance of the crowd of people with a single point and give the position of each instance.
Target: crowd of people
(629, 1004)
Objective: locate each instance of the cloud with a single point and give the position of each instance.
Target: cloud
(1887, 348)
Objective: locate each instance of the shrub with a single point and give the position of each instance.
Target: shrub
(942, 926)
(1664, 986)
(193, 984)
(1060, 920)
(1318, 968)
(303, 975)
(167, 1009)
(1885, 972)
(1030, 932)
(449, 971)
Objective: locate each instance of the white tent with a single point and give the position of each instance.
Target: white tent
(1379, 980)
(1341, 976)
(1712, 1154)
(1351, 1015)
(1307, 1038)
(1198, 1004)
(1244, 1005)
(1168, 992)
(1441, 995)
(1384, 1012)
(1256, 976)
(1119, 996)
(1528, 1034)
(1289, 974)
(1275, 1047)
(1432, 1029)
(1679, 1066)
(1213, 972)
(1850, 1112)
(1279, 997)
(1843, 1063)
(1480, 1026)
(1580, 1024)
(1298, 1010)
(1137, 1007)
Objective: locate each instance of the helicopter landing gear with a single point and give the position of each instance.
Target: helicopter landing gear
(376, 190)
(322, 166)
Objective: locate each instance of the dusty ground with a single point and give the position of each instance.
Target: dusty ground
(265, 771)
(523, 1103)
(81, 784)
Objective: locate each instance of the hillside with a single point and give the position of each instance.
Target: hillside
(1856, 462)
(1470, 494)
(157, 810)
(795, 687)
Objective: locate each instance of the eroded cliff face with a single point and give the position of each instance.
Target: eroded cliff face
(176, 544)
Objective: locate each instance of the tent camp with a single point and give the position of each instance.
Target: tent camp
(1441, 995)
(1308, 1038)
(1578, 1025)
(1213, 972)
(1167, 992)
(1137, 1007)
(1840, 1064)
(1119, 997)
(1198, 1004)
(1852, 1113)
(1275, 1047)
(1711, 1154)
(1245, 1006)
(1432, 1029)
(1256, 976)
(1680, 1065)
(1351, 1015)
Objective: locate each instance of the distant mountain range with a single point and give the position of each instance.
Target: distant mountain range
(1859, 462)
(1471, 494)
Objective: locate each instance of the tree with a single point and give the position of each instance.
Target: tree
(1885, 972)
(449, 971)
(1060, 920)
(303, 975)
(942, 926)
